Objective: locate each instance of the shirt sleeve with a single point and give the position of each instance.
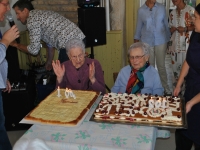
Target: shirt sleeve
(170, 19)
(3, 52)
(35, 37)
(157, 86)
(138, 26)
(122, 80)
(116, 87)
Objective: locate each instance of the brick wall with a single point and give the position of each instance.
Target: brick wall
(67, 8)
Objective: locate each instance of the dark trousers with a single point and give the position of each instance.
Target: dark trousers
(4, 140)
(184, 143)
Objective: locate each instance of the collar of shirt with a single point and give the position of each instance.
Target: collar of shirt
(155, 5)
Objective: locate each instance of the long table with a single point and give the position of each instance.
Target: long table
(95, 136)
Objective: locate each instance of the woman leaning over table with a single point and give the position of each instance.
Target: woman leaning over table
(139, 76)
(181, 29)
(185, 138)
(80, 72)
(5, 40)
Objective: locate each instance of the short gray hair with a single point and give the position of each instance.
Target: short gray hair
(144, 46)
(74, 43)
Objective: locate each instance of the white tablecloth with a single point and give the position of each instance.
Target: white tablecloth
(96, 136)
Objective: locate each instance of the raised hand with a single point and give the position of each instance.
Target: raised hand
(58, 69)
(10, 35)
(92, 72)
(176, 91)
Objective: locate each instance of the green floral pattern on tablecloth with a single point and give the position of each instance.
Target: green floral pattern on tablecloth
(58, 137)
(84, 147)
(90, 135)
(29, 131)
(118, 141)
(143, 139)
(105, 126)
(82, 135)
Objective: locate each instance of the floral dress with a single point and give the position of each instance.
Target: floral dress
(179, 42)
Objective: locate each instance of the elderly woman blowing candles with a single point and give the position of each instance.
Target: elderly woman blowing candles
(79, 73)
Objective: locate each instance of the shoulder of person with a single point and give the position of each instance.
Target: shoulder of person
(126, 68)
(160, 6)
(152, 70)
(89, 60)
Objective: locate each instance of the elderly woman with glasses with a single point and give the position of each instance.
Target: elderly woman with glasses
(80, 72)
(139, 76)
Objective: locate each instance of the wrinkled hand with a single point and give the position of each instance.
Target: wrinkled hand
(58, 69)
(180, 29)
(176, 91)
(92, 72)
(188, 107)
(10, 35)
(8, 86)
(173, 29)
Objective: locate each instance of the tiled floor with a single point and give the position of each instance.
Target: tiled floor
(161, 144)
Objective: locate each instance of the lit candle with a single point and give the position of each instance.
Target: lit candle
(158, 104)
(66, 93)
(151, 103)
(58, 91)
(72, 94)
(164, 103)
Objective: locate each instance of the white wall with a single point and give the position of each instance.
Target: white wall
(5, 25)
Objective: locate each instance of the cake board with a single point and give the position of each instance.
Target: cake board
(63, 124)
(153, 124)
(25, 121)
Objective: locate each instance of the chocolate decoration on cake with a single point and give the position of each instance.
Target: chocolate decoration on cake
(141, 108)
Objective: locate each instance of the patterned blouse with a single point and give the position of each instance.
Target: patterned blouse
(179, 41)
(52, 28)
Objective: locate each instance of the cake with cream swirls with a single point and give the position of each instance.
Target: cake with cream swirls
(142, 108)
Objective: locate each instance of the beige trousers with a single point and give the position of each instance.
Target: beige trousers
(157, 54)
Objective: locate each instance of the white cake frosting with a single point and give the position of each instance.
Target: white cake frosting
(141, 107)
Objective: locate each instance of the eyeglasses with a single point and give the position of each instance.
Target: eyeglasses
(5, 4)
(135, 57)
(80, 56)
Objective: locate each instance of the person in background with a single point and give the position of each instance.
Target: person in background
(139, 76)
(152, 28)
(80, 72)
(5, 40)
(190, 71)
(48, 26)
(181, 29)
